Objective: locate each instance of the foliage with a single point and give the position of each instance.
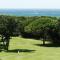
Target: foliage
(36, 27)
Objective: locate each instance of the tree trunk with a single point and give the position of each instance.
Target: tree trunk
(43, 41)
(7, 44)
(44, 38)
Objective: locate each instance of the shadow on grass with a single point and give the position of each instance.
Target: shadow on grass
(15, 50)
(20, 50)
(48, 45)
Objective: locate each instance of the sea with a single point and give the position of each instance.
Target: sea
(30, 12)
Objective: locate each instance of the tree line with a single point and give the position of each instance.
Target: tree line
(37, 27)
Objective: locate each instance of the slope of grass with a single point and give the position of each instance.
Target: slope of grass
(28, 49)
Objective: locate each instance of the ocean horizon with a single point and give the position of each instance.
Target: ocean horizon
(30, 12)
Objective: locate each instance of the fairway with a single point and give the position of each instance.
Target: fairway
(28, 49)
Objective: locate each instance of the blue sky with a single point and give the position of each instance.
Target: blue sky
(30, 4)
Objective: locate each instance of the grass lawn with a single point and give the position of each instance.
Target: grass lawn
(28, 49)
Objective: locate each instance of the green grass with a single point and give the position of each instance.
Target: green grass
(29, 50)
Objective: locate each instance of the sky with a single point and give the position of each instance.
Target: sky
(29, 4)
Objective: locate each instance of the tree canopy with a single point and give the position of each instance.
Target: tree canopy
(37, 27)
